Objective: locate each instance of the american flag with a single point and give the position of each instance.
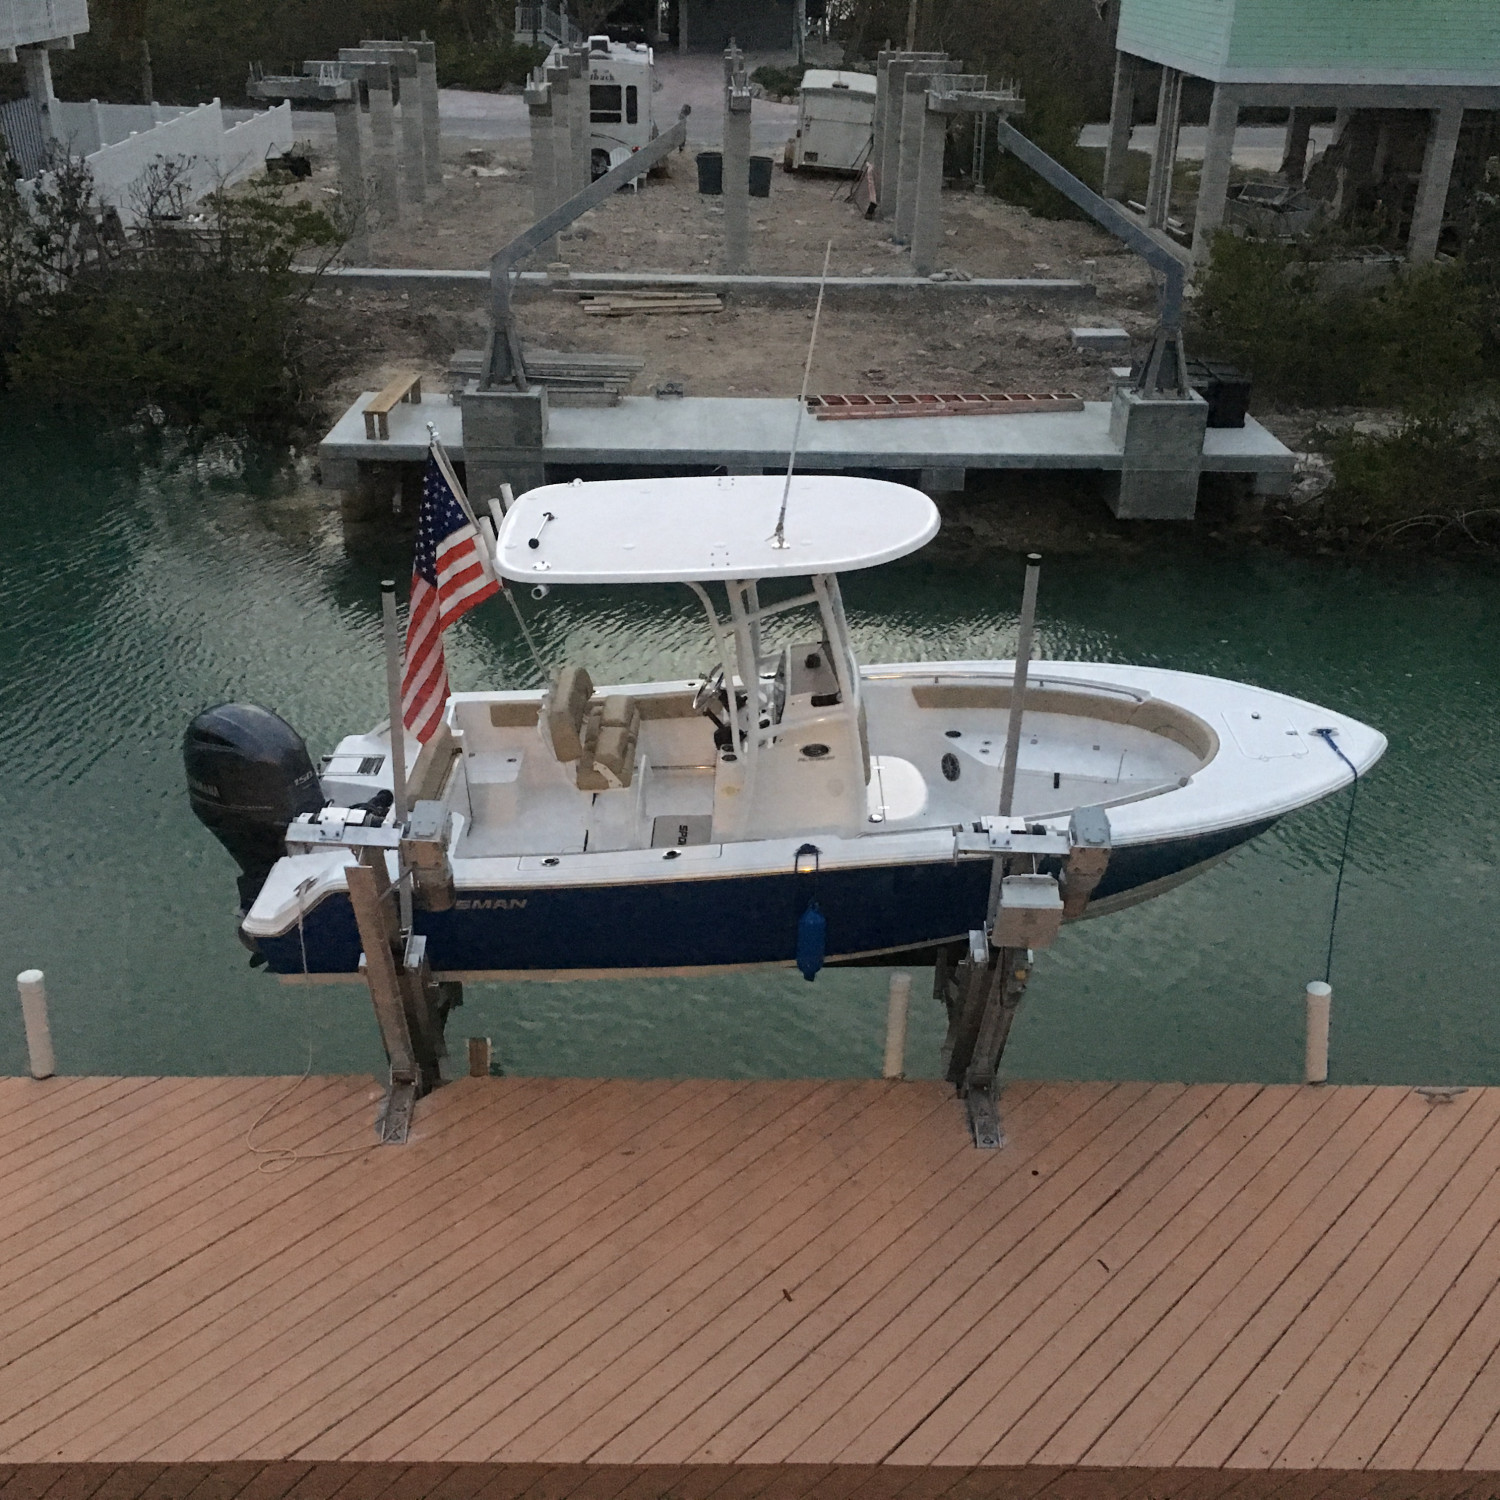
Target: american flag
(449, 576)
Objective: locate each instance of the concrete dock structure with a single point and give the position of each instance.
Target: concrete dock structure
(604, 1289)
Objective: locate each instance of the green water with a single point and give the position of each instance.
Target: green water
(131, 597)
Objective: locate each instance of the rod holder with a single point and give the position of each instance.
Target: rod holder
(898, 1003)
(1319, 1004)
(33, 988)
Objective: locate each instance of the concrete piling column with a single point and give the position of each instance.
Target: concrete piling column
(1294, 153)
(36, 65)
(383, 145)
(353, 191)
(543, 167)
(737, 176)
(1213, 185)
(1121, 118)
(560, 87)
(1164, 156)
(432, 127)
(888, 167)
(1432, 191)
(927, 204)
(413, 151)
(578, 76)
(877, 123)
(909, 156)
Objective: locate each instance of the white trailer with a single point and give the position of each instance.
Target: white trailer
(620, 86)
(835, 121)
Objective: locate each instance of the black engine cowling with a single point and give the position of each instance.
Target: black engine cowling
(248, 774)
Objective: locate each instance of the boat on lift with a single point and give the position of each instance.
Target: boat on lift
(656, 828)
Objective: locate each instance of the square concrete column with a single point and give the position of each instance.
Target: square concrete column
(1213, 184)
(543, 170)
(909, 157)
(877, 122)
(353, 190)
(36, 67)
(737, 176)
(432, 125)
(1164, 156)
(1294, 152)
(927, 209)
(560, 87)
(1432, 191)
(413, 151)
(383, 143)
(578, 76)
(1121, 118)
(888, 166)
(1161, 454)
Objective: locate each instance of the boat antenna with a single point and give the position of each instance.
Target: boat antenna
(778, 537)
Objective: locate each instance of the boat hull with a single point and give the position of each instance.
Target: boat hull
(705, 923)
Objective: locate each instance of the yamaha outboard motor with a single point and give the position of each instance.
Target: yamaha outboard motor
(248, 775)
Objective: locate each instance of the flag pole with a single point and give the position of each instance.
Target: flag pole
(393, 698)
(445, 464)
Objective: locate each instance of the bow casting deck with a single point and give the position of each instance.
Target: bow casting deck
(611, 1288)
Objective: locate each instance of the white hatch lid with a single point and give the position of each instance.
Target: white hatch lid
(673, 530)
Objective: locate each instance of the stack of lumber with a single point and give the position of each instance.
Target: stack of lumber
(572, 379)
(625, 304)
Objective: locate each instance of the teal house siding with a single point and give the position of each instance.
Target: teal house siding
(1454, 42)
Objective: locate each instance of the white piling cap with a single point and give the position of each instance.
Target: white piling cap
(1318, 989)
(29, 976)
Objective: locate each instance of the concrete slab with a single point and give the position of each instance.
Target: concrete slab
(750, 434)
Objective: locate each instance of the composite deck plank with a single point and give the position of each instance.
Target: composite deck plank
(318, 1231)
(724, 1411)
(1053, 1354)
(542, 1249)
(1027, 1317)
(655, 1314)
(1163, 1338)
(994, 1243)
(735, 1291)
(595, 1232)
(1422, 1231)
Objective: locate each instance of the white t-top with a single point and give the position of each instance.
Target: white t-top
(673, 530)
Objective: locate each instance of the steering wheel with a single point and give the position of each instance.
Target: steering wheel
(710, 691)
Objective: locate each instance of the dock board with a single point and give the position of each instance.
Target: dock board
(610, 1288)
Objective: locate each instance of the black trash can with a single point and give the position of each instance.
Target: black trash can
(760, 176)
(711, 172)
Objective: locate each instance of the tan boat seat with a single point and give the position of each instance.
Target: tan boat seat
(564, 709)
(619, 733)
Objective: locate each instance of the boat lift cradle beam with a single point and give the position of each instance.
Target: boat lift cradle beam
(984, 990)
(1164, 371)
(505, 365)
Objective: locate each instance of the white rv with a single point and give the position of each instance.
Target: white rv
(620, 82)
(835, 121)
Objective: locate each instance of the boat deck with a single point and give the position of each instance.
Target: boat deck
(610, 1288)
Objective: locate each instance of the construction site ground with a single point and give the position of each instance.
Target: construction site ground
(868, 342)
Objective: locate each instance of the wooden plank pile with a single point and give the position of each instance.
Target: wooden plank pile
(572, 379)
(627, 304)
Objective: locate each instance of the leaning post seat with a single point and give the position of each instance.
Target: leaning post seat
(619, 733)
(563, 711)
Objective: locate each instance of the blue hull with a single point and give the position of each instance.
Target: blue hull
(713, 923)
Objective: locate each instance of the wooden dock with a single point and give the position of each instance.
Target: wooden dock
(613, 1290)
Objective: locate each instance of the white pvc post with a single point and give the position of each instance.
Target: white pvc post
(1319, 1001)
(34, 1011)
(897, 1005)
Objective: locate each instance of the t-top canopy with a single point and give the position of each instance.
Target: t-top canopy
(675, 530)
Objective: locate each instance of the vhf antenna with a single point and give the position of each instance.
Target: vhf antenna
(778, 537)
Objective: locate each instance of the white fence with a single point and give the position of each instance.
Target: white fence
(120, 141)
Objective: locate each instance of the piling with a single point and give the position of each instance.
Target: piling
(898, 1004)
(383, 140)
(1319, 1003)
(480, 1053)
(32, 985)
(737, 174)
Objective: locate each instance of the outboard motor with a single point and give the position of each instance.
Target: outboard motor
(248, 775)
